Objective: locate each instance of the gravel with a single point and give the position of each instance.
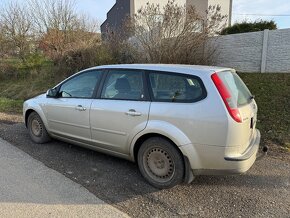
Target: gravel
(264, 191)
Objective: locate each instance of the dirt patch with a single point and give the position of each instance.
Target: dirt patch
(278, 152)
(10, 118)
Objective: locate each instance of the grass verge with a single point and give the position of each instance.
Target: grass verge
(272, 94)
(11, 105)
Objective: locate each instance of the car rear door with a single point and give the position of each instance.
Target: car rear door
(121, 110)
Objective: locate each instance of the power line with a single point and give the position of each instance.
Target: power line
(267, 15)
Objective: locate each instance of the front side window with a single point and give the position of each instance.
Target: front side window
(168, 87)
(123, 85)
(80, 86)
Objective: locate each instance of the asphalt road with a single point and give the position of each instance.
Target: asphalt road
(263, 192)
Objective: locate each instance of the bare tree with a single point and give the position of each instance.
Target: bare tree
(16, 29)
(53, 14)
(2, 42)
(61, 28)
(174, 33)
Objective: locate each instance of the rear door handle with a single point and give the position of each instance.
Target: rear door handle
(80, 108)
(133, 113)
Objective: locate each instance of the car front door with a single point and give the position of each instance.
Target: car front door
(121, 111)
(68, 115)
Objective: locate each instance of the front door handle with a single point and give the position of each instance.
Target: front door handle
(80, 108)
(133, 113)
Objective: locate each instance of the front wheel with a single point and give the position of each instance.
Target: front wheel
(37, 130)
(160, 163)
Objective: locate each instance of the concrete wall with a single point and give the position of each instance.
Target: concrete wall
(278, 51)
(264, 51)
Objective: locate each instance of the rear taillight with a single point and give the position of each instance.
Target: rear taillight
(227, 98)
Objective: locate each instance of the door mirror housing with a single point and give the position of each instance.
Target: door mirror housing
(52, 93)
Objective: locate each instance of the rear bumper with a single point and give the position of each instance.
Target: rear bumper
(251, 150)
(211, 160)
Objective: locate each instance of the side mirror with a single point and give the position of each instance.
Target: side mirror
(52, 93)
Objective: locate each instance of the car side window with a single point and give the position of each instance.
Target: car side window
(169, 87)
(80, 86)
(123, 85)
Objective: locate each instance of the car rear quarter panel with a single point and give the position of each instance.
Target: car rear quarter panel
(201, 125)
(203, 122)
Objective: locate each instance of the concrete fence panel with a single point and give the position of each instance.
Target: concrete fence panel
(278, 54)
(264, 51)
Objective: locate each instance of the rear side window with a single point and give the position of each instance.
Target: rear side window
(123, 85)
(171, 87)
(239, 91)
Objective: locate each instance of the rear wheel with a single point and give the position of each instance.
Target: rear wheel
(37, 130)
(160, 163)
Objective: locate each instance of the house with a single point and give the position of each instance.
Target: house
(124, 8)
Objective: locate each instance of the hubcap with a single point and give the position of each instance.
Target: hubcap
(159, 164)
(36, 127)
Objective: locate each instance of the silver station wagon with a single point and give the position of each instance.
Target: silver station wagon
(175, 121)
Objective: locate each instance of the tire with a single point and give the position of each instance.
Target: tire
(37, 130)
(161, 163)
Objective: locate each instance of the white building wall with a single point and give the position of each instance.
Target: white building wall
(141, 3)
(202, 5)
(225, 7)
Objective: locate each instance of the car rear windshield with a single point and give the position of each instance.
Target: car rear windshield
(239, 91)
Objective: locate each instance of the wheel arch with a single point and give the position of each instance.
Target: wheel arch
(27, 113)
(177, 137)
(161, 129)
(30, 110)
(188, 174)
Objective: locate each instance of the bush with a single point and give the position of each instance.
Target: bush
(32, 65)
(245, 27)
(80, 59)
(33, 61)
(15, 68)
(103, 54)
(9, 69)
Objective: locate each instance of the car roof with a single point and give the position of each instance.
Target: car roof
(178, 68)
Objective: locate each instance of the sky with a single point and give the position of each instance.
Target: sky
(263, 7)
(241, 9)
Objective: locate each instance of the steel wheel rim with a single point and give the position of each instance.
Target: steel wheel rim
(36, 127)
(158, 164)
